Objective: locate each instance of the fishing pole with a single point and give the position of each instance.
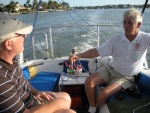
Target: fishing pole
(36, 14)
(34, 23)
(144, 6)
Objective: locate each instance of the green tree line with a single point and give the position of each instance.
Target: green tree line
(44, 5)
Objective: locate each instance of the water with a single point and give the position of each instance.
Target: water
(64, 39)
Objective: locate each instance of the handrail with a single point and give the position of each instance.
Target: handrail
(51, 42)
(77, 26)
(39, 30)
(46, 44)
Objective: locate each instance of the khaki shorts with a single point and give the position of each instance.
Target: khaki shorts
(109, 75)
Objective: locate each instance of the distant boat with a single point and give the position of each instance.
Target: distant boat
(50, 10)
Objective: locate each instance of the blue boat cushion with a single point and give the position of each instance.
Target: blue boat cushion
(29, 72)
(143, 82)
(26, 73)
(84, 64)
(45, 81)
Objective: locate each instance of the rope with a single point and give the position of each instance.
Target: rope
(34, 23)
(75, 20)
(87, 23)
(141, 107)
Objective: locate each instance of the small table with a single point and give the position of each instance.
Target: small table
(72, 80)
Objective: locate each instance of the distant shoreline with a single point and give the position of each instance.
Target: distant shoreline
(27, 13)
(38, 11)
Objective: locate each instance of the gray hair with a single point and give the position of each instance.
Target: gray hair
(134, 14)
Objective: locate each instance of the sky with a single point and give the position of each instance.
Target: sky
(73, 3)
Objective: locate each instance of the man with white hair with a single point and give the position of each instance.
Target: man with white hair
(16, 93)
(128, 50)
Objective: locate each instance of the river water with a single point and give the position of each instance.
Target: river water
(83, 37)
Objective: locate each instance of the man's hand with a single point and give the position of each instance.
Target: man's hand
(41, 96)
(73, 58)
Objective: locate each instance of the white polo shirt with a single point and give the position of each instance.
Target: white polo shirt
(128, 57)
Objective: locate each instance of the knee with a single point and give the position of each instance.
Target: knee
(68, 111)
(89, 82)
(66, 96)
(101, 98)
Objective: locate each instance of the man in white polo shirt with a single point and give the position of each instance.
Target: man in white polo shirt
(128, 50)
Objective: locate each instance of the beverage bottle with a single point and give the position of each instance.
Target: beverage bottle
(70, 70)
(79, 70)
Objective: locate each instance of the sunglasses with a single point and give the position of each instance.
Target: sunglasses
(128, 22)
(20, 35)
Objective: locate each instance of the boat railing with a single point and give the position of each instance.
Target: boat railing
(41, 49)
(49, 33)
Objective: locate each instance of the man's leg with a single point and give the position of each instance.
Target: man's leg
(65, 111)
(106, 93)
(60, 104)
(90, 84)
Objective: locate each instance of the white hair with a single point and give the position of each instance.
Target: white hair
(134, 14)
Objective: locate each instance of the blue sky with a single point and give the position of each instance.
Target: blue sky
(87, 2)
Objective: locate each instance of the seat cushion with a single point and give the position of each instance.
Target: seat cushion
(26, 73)
(43, 85)
(29, 72)
(45, 81)
(143, 82)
